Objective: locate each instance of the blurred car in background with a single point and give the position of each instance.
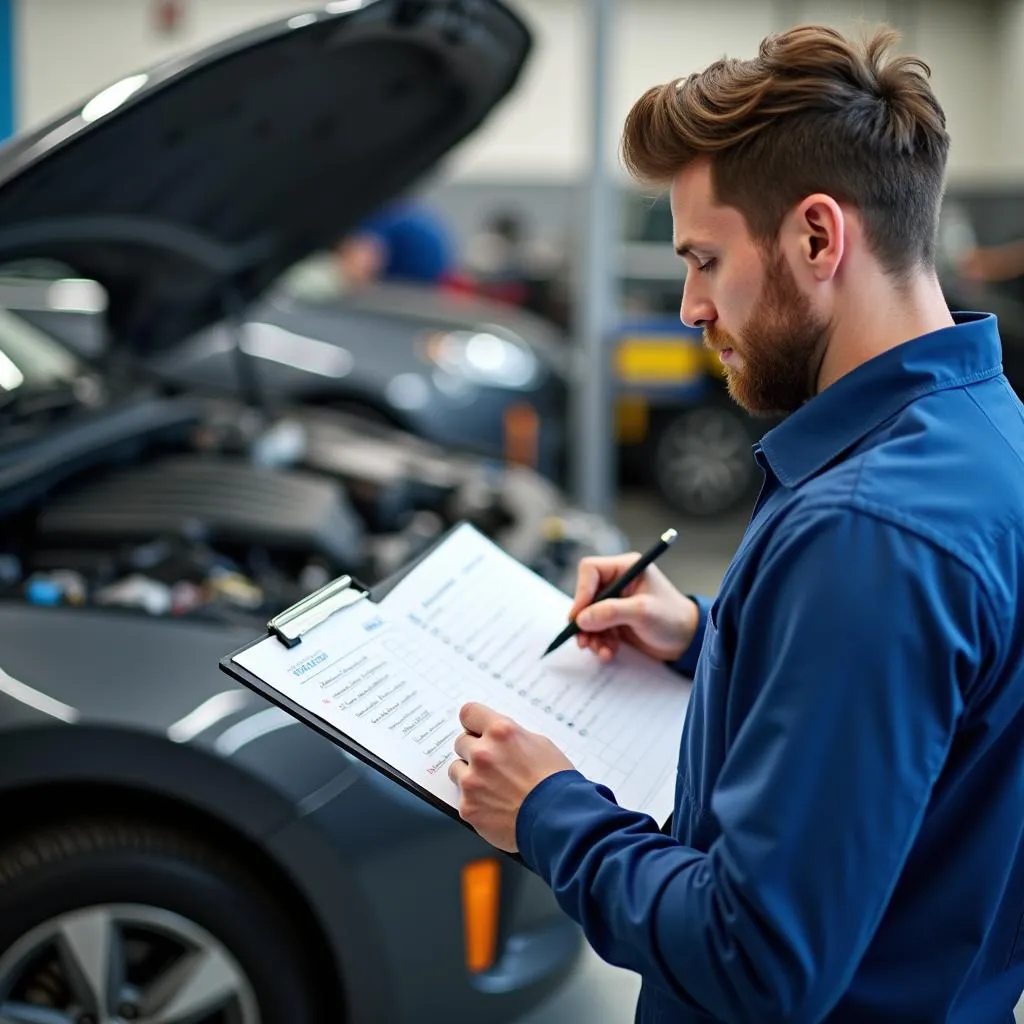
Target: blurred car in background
(652, 274)
(472, 374)
(692, 439)
(457, 370)
(677, 428)
(174, 848)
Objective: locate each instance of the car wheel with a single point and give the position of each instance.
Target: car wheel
(114, 921)
(702, 460)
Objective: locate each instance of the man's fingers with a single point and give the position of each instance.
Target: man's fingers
(456, 770)
(464, 745)
(595, 573)
(615, 611)
(587, 582)
(475, 718)
(605, 645)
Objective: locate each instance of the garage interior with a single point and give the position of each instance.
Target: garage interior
(220, 391)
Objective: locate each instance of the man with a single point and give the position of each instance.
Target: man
(415, 244)
(404, 243)
(847, 836)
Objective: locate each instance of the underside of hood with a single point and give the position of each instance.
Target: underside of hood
(187, 189)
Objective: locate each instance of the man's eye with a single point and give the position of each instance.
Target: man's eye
(706, 266)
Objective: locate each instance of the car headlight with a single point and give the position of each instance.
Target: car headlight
(482, 357)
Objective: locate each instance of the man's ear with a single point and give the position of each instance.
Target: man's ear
(818, 231)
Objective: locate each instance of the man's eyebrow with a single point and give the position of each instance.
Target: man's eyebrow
(686, 248)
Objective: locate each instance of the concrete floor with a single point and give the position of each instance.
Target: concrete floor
(599, 994)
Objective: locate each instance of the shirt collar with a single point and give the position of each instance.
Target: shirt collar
(860, 401)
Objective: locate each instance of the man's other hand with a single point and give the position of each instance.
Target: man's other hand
(500, 763)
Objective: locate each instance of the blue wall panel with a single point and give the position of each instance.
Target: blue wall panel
(7, 69)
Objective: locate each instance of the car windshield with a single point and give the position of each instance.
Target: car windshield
(31, 360)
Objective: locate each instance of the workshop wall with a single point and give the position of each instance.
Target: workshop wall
(66, 49)
(542, 133)
(1011, 87)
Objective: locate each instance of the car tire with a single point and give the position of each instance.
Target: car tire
(702, 464)
(163, 917)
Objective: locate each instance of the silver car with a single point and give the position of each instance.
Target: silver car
(174, 849)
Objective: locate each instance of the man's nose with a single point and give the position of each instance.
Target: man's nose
(696, 310)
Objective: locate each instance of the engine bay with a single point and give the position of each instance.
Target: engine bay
(231, 515)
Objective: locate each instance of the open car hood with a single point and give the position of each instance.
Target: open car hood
(187, 189)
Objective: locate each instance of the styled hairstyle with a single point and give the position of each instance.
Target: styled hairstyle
(812, 112)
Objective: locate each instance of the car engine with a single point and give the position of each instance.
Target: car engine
(213, 509)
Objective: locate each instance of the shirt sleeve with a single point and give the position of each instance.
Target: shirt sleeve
(855, 644)
(687, 664)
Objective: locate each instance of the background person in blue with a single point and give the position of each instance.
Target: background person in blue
(847, 837)
(413, 243)
(406, 243)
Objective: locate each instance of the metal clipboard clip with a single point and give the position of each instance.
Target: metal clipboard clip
(294, 622)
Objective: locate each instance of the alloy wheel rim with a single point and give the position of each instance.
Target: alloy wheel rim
(123, 964)
(704, 460)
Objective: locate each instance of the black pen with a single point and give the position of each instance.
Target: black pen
(616, 587)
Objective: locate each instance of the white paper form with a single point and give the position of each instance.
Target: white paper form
(469, 623)
(345, 673)
(475, 607)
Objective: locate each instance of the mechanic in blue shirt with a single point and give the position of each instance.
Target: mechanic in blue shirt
(416, 244)
(847, 836)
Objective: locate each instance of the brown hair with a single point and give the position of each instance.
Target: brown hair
(813, 112)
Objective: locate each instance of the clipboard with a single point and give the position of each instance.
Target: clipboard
(291, 626)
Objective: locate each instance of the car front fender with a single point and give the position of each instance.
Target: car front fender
(102, 767)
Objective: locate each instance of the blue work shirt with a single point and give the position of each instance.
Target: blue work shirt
(418, 245)
(847, 836)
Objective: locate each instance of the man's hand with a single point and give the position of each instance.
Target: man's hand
(651, 615)
(501, 762)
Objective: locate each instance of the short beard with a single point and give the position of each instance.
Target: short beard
(781, 347)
